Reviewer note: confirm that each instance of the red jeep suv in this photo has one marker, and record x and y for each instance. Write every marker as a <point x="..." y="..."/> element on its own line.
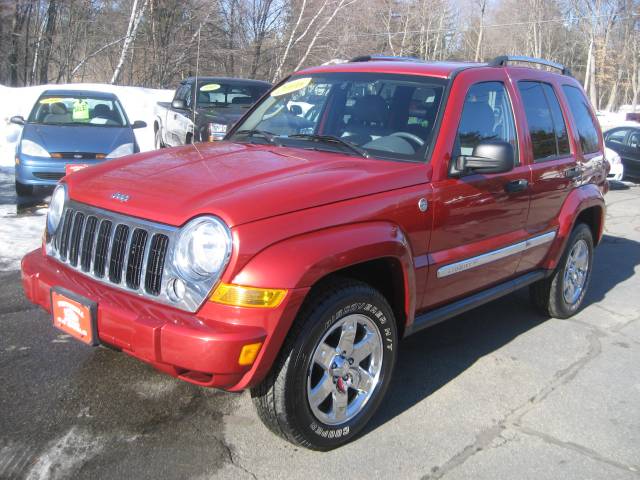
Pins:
<point x="353" y="205"/>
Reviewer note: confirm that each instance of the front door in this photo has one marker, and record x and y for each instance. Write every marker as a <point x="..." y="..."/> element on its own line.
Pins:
<point x="479" y="220"/>
<point x="177" y="116"/>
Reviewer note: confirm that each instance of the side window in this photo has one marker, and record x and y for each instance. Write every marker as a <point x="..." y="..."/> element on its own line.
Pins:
<point x="188" y="96"/>
<point x="634" y="140"/>
<point x="486" y="115"/>
<point x="559" y="124"/>
<point x="181" y="93"/>
<point x="617" y="136"/>
<point x="546" y="124"/>
<point x="585" y="124"/>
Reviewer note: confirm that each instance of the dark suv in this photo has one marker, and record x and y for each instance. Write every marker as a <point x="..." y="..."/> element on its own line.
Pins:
<point x="352" y="206"/>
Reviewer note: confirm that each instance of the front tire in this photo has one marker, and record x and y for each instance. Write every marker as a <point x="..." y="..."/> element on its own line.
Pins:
<point x="562" y="294"/>
<point x="158" y="140"/>
<point x="334" y="369"/>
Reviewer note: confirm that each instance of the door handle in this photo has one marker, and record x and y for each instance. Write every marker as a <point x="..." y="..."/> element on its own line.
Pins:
<point x="573" y="172"/>
<point x="516" y="185"/>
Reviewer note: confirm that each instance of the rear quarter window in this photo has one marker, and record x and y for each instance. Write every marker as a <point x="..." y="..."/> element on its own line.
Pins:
<point x="587" y="130"/>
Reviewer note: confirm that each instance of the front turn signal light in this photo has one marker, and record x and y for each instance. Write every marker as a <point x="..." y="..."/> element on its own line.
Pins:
<point x="249" y="353"/>
<point x="239" y="296"/>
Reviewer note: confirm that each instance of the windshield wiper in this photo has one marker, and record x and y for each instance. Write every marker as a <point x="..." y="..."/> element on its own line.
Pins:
<point x="331" y="139"/>
<point x="268" y="136"/>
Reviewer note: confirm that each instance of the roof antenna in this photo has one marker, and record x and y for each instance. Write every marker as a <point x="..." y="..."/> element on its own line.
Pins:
<point x="195" y="99"/>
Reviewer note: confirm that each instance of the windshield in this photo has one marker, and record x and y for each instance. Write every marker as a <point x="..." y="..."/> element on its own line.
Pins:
<point x="78" y="110"/>
<point x="213" y="94"/>
<point x="383" y="115"/>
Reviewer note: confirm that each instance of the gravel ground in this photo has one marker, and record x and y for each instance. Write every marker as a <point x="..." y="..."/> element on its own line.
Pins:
<point x="500" y="392"/>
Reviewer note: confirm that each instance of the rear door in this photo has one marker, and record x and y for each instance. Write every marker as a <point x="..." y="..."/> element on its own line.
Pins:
<point x="478" y="219"/>
<point x="587" y="135"/>
<point x="554" y="163"/>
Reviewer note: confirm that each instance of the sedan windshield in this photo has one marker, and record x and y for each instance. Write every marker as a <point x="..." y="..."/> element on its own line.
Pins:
<point x="78" y="110"/>
<point x="367" y="114"/>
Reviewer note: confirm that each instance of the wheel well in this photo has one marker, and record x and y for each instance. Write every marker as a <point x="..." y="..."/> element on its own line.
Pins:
<point x="383" y="274"/>
<point x="592" y="217"/>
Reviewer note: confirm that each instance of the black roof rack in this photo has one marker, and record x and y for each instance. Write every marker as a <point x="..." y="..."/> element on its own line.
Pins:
<point x="385" y="58"/>
<point x="502" y="60"/>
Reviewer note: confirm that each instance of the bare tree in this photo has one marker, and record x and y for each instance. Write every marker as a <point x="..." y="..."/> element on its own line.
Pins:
<point x="132" y="29"/>
<point x="482" y="4"/>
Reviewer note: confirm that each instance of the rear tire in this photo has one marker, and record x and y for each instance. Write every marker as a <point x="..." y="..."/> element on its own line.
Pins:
<point x="342" y="348"/>
<point x="562" y="294"/>
<point x="23" y="190"/>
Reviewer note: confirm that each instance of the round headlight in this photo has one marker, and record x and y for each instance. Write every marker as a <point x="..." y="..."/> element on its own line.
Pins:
<point x="56" y="206"/>
<point x="203" y="248"/>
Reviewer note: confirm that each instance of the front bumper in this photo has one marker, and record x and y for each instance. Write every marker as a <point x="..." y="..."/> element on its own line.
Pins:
<point x="616" y="172"/>
<point x="201" y="348"/>
<point x="45" y="171"/>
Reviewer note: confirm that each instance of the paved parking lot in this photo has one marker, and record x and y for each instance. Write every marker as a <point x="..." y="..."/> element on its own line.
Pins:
<point x="500" y="392"/>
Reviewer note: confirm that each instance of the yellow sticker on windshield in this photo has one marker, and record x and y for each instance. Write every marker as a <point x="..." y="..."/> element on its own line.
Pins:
<point x="80" y="110"/>
<point x="209" y="87"/>
<point x="292" y="86"/>
<point x="48" y="101"/>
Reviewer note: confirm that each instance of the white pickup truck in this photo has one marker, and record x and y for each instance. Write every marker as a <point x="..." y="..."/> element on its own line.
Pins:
<point x="204" y="113"/>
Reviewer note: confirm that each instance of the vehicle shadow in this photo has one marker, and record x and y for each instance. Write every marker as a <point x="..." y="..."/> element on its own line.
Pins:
<point x="616" y="185"/>
<point x="432" y="358"/>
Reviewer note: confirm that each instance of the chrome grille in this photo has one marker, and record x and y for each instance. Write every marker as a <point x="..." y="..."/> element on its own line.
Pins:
<point x="153" y="278"/>
<point x="102" y="248"/>
<point x="136" y="256"/>
<point x="124" y="252"/>
<point x="117" y="250"/>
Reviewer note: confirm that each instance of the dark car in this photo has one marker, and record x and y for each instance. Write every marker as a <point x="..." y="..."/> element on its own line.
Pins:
<point x="70" y="127"/>
<point x="625" y="141"/>
<point x="215" y="105"/>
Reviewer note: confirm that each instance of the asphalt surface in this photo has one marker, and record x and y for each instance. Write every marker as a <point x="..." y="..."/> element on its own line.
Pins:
<point x="500" y="392"/>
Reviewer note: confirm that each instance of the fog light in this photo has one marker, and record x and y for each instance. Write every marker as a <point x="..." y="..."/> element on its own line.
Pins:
<point x="249" y="353"/>
<point x="240" y="296"/>
<point x="176" y="289"/>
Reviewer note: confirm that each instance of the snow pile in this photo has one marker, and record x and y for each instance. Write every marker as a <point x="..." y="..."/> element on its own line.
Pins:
<point x="139" y="104"/>
<point x="20" y="232"/>
<point x="609" y="120"/>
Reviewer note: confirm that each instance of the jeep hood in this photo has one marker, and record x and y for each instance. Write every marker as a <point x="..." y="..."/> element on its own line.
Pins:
<point x="238" y="182"/>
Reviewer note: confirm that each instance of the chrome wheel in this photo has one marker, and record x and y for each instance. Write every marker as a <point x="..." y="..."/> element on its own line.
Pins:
<point x="575" y="272"/>
<point x="344" y="369"/>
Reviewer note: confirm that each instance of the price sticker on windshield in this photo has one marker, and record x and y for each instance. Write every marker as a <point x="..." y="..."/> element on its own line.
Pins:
<point x="292" y="86"/>
<point x="209" y="87"/>
<point x="50" y="100"/>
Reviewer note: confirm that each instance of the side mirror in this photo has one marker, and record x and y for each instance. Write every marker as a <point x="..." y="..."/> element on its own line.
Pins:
<point x="178" y="105"/>
<point x="295" y="110"/>
<point x="489" y="156"/>
<point x="18" y="120"/>
<point x="139" y="124"/>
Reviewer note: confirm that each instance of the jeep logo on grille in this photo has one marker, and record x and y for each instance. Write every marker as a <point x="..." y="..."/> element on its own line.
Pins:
<point x="122" y="197"/>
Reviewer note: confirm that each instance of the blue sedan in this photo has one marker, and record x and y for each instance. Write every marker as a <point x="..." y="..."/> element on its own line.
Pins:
<point x="70" y="127"/>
